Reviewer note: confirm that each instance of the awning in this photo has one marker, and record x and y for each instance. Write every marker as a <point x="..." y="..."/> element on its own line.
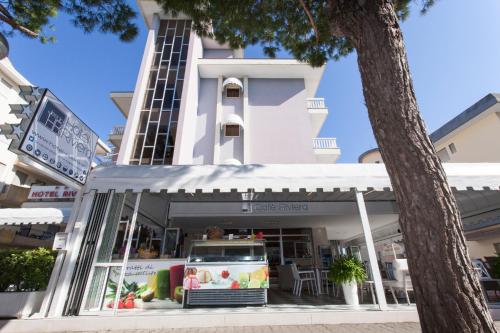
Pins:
<point x="233" y="119"/>
<point x="18" y="216"/>
<point x="275" y="177"/>
<point x="232" y="82"/>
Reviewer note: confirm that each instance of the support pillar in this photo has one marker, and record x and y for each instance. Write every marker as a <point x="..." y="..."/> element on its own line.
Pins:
<point x="372" y="255"/>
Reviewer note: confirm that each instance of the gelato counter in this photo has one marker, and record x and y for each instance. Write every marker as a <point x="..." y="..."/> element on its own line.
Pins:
<point x="226" y="272"/>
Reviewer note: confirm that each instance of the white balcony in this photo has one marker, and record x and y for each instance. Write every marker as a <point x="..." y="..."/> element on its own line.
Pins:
<point x="116" y="135"/>
<point x="326" y="150"/>
<point x="318" y="112"/>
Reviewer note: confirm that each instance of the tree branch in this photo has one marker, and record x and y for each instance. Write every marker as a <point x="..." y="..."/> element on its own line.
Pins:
<point x="311" y="19"/>
<point x="7" y="18"/>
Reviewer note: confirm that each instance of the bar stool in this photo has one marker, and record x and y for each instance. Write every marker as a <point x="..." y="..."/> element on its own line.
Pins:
<point x="299" y="277"/>
<point x="325" y="282"/>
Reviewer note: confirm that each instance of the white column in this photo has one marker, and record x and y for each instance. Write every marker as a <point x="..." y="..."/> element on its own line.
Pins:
<point x="141" y="84"/>
<point x="246" y="123"/>
<point x="218" y="122"/>
<point x="372" y="256"/>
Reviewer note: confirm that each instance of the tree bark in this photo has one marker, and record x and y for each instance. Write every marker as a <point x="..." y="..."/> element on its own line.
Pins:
<point x="447" y="290"/>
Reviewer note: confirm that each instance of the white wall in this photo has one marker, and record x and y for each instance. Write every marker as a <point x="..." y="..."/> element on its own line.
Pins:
<point x="280" y="127"/>
<point x="203" y="152"/>
<point x="231" y="147"/>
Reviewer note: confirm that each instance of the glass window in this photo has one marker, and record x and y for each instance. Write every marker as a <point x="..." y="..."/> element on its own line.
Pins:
<point x="172" y="133"/>
<point x="232" y="130"/>
<point x="164" y="92"/>
<point x="233" y="92"/>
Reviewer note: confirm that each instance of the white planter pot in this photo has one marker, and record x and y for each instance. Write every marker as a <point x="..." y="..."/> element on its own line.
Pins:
<point x="350" y="293"/>
<point x="20" y="304"/>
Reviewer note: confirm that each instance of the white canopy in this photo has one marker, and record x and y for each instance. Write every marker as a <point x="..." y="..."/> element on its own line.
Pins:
<point x="232" y="82"/>
<point x="233" y="119"/>
<point x="275" y="177"/>
<point x="17" y="216"/>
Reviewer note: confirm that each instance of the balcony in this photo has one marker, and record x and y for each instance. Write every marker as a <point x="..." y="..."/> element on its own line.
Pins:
<point x="326" y="150"/>
<point x="318" y="112"/>
<point x="13" y="195"/>
<point x="116" y="135"/>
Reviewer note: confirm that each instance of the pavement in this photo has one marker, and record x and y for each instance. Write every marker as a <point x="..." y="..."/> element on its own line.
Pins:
<point x="341" y="328"/>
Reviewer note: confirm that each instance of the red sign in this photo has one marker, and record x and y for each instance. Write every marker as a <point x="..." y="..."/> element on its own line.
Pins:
<point x="52" y="193"/>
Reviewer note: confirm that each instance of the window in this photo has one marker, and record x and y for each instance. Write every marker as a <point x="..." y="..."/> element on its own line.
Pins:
<point x="452" y="147"/>
<point x="443" y="155"/>
<point x="232" y="130"/>
<point x="233" y="92"/>
<point x="155" y="138"/>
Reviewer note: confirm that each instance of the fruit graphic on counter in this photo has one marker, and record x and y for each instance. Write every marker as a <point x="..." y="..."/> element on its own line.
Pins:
<point x="190" y="279"/>
<point x="224" y="274"/>
<point x="260" y="274"/>
<point x="254" y="284"/>
<point x="235" y="285"/>
<point x="148" y="295"/>
<point x="244" y="277"/>
<point x="163" y="283"/>
<point x="152" y="282"/>
<point x="204" y="276"/>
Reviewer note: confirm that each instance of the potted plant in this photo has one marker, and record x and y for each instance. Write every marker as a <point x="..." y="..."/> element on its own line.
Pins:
<point x="348" y="271"/>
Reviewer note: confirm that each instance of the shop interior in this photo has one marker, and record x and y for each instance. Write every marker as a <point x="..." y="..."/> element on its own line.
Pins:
<point x="139" y="247"/>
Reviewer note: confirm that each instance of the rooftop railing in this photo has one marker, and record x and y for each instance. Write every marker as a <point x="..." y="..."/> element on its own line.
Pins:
<point x="316" y="103"/>
<point x="324" y="143"/>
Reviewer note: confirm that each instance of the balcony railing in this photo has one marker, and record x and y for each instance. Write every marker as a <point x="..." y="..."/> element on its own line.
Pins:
<point x="324" y="143"/>
<point x="118" y="130"/>
<point x="316" y="103"/>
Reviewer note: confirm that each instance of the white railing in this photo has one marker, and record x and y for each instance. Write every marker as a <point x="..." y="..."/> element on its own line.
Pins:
<point x="118" y="130"/>
<point x="316" y="103"/>
<point x="324" y="143"/>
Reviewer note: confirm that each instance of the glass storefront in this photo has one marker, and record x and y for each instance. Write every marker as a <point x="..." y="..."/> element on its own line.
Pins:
<point x="141" y="256"/>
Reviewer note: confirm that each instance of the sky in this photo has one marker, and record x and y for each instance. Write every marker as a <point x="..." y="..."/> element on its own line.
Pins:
<point x="453" y="51"/>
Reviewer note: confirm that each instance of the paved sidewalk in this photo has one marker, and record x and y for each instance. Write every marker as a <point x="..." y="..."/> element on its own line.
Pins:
<point x="342" y="328"/>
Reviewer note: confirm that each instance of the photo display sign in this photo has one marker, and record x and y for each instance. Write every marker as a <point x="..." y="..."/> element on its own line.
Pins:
<point x="56" y="137"/>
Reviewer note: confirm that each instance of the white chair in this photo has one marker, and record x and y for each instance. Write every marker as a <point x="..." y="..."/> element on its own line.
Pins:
<point x="325" y="282"/>
<point x="299" y="277"/>
<point x="401" y="281"/>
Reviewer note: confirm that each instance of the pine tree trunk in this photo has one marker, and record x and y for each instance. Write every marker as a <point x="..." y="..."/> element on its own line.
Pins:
<point x="447" y="290"/>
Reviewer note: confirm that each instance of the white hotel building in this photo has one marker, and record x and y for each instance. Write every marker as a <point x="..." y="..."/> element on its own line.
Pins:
<point x="216" y="139"/>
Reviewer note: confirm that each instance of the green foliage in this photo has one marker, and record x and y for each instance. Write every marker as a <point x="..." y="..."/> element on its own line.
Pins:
<point x="347" y="269"/>
<point x="32" y="17"/>
<point x="25" y="270"/>
<point x="275" y="24"/>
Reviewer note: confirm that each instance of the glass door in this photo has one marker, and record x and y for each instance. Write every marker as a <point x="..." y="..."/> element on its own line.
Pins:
<point x="105" y="289"/>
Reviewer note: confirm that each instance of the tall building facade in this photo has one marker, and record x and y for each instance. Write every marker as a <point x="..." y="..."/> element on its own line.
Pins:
<point x="198" y="102"/>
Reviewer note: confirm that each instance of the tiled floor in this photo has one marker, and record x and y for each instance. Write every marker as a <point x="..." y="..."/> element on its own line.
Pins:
<point x="277" y="296"/>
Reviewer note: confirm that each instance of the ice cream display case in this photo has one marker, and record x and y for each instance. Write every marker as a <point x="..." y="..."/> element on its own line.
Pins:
<point x="226" y="272"/>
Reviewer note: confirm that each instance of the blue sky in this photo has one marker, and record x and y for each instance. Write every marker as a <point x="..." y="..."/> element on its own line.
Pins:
<point x="454" y="54"/>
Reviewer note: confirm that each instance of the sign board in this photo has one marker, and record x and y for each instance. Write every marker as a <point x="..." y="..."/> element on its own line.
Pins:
<point x="236" y="276"/>
<point x="60" y="241"/>
<point x="57" y="138"/>
<point x="52" y="193"/>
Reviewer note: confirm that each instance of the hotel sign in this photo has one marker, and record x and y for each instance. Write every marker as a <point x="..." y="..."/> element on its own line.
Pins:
<point x="52" y="193"/>
<point x="57" y="138"/>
